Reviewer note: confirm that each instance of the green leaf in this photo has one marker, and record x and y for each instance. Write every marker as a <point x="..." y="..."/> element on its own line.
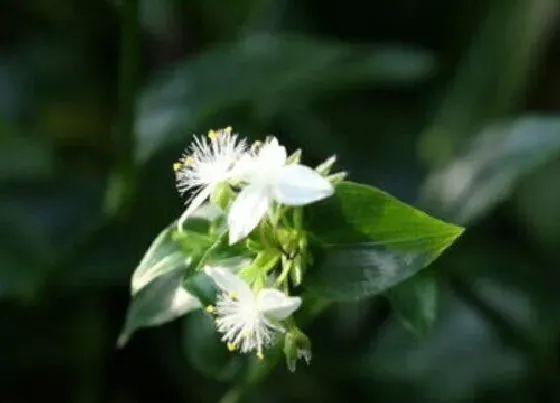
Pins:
<point x="171" y="250"/>
<point x="162" y="300"/>
<point x="216" y="250"/>
<point x="491" y="166"/>
<point x="359" y="213"/>
<point x="415" y="302"/>
<point x="368" y="242"/>
<point x="266" y="72"/>
<point x="263" y="263"/>
<point x="158" y="295"/>
<point x="202" y="287"/>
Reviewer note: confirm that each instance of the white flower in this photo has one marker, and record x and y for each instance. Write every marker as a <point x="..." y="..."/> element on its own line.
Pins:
<point x="248" y="321"/>
<point x="208" y="162"/>
<point x="270" y="179"/>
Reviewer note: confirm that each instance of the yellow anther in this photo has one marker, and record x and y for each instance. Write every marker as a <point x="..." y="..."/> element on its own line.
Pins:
<point x="256" y="145"/>
<point x="231" y="346"/>
<point x="227" y="130"/>
<point x="177" y="166"/>
<point x="210" y="309"/>
<point x="232" y="295"/>
<point x="212" y="134"/>
<point x="260" y="355"/>
<point x="188" y="161"/>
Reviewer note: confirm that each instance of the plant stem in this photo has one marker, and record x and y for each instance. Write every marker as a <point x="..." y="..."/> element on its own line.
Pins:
<point x="122" y="182"/>
<point x="298" y="218"/>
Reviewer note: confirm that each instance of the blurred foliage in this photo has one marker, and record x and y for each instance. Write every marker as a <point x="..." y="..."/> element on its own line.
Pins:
<point x="452" y="106"/>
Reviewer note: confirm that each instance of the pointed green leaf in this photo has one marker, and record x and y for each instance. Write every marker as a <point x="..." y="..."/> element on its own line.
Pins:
<point x="158" y="295"/>
<point x="368" y="241"/>
<point x="171" y="250"/>
<point x="162" y="300"/>
<point x="202" y="287"/>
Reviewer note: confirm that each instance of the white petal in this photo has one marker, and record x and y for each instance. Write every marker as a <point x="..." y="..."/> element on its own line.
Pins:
<point x="228" y="282"/>
<point x="276" y="304"/>
<point x="242" y="168"/>
<point x="195" y="204"/>
<point x="273" y="154"/>
<point x="246" y="212"/>
<point x="297" y="185"/>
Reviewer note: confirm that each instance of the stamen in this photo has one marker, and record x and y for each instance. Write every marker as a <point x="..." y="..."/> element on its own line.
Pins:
<point x="231" y="346"/>
<point x="256" y="145"/>
<point x="188" y="161"/>
<point x="227" y="130"/>
<point x="177" y="166"/>
<point x="211" y="309"/>
<point x="212" y="134"/>
<point x="260" y="355"/>
<point x="233" y="296"/>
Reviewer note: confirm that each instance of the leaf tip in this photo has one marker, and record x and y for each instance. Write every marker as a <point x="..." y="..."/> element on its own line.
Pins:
<point x="123" y="339"/>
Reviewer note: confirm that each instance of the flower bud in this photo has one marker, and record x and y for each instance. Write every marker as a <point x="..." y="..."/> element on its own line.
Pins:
<point x="337" y="178"/>
<point x="296" y="272"/>
<point x="295" y="158"/>
<point x="325" y="167"/>
<point x="288" y="239"/>
<point x="297" y="346"/>
<point x="221" y="196"/>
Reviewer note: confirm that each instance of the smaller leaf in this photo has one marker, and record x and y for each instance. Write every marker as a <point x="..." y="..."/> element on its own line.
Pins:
<point x="161" y="301"/>
<point x="202" y="287"/>
<point x="171" y="250"/>
<point x="219" y="252"/>
<point x="415" y="302"/>
<point x="214" y="251"/>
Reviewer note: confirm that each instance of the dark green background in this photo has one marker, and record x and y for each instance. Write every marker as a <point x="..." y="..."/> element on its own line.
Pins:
<point x="396" y="88"/>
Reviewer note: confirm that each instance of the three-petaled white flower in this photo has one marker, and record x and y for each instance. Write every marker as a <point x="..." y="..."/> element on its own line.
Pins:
<point x="269" y="178"/>
<point x="247" y="320"/>
<point x="208" y="163"/>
